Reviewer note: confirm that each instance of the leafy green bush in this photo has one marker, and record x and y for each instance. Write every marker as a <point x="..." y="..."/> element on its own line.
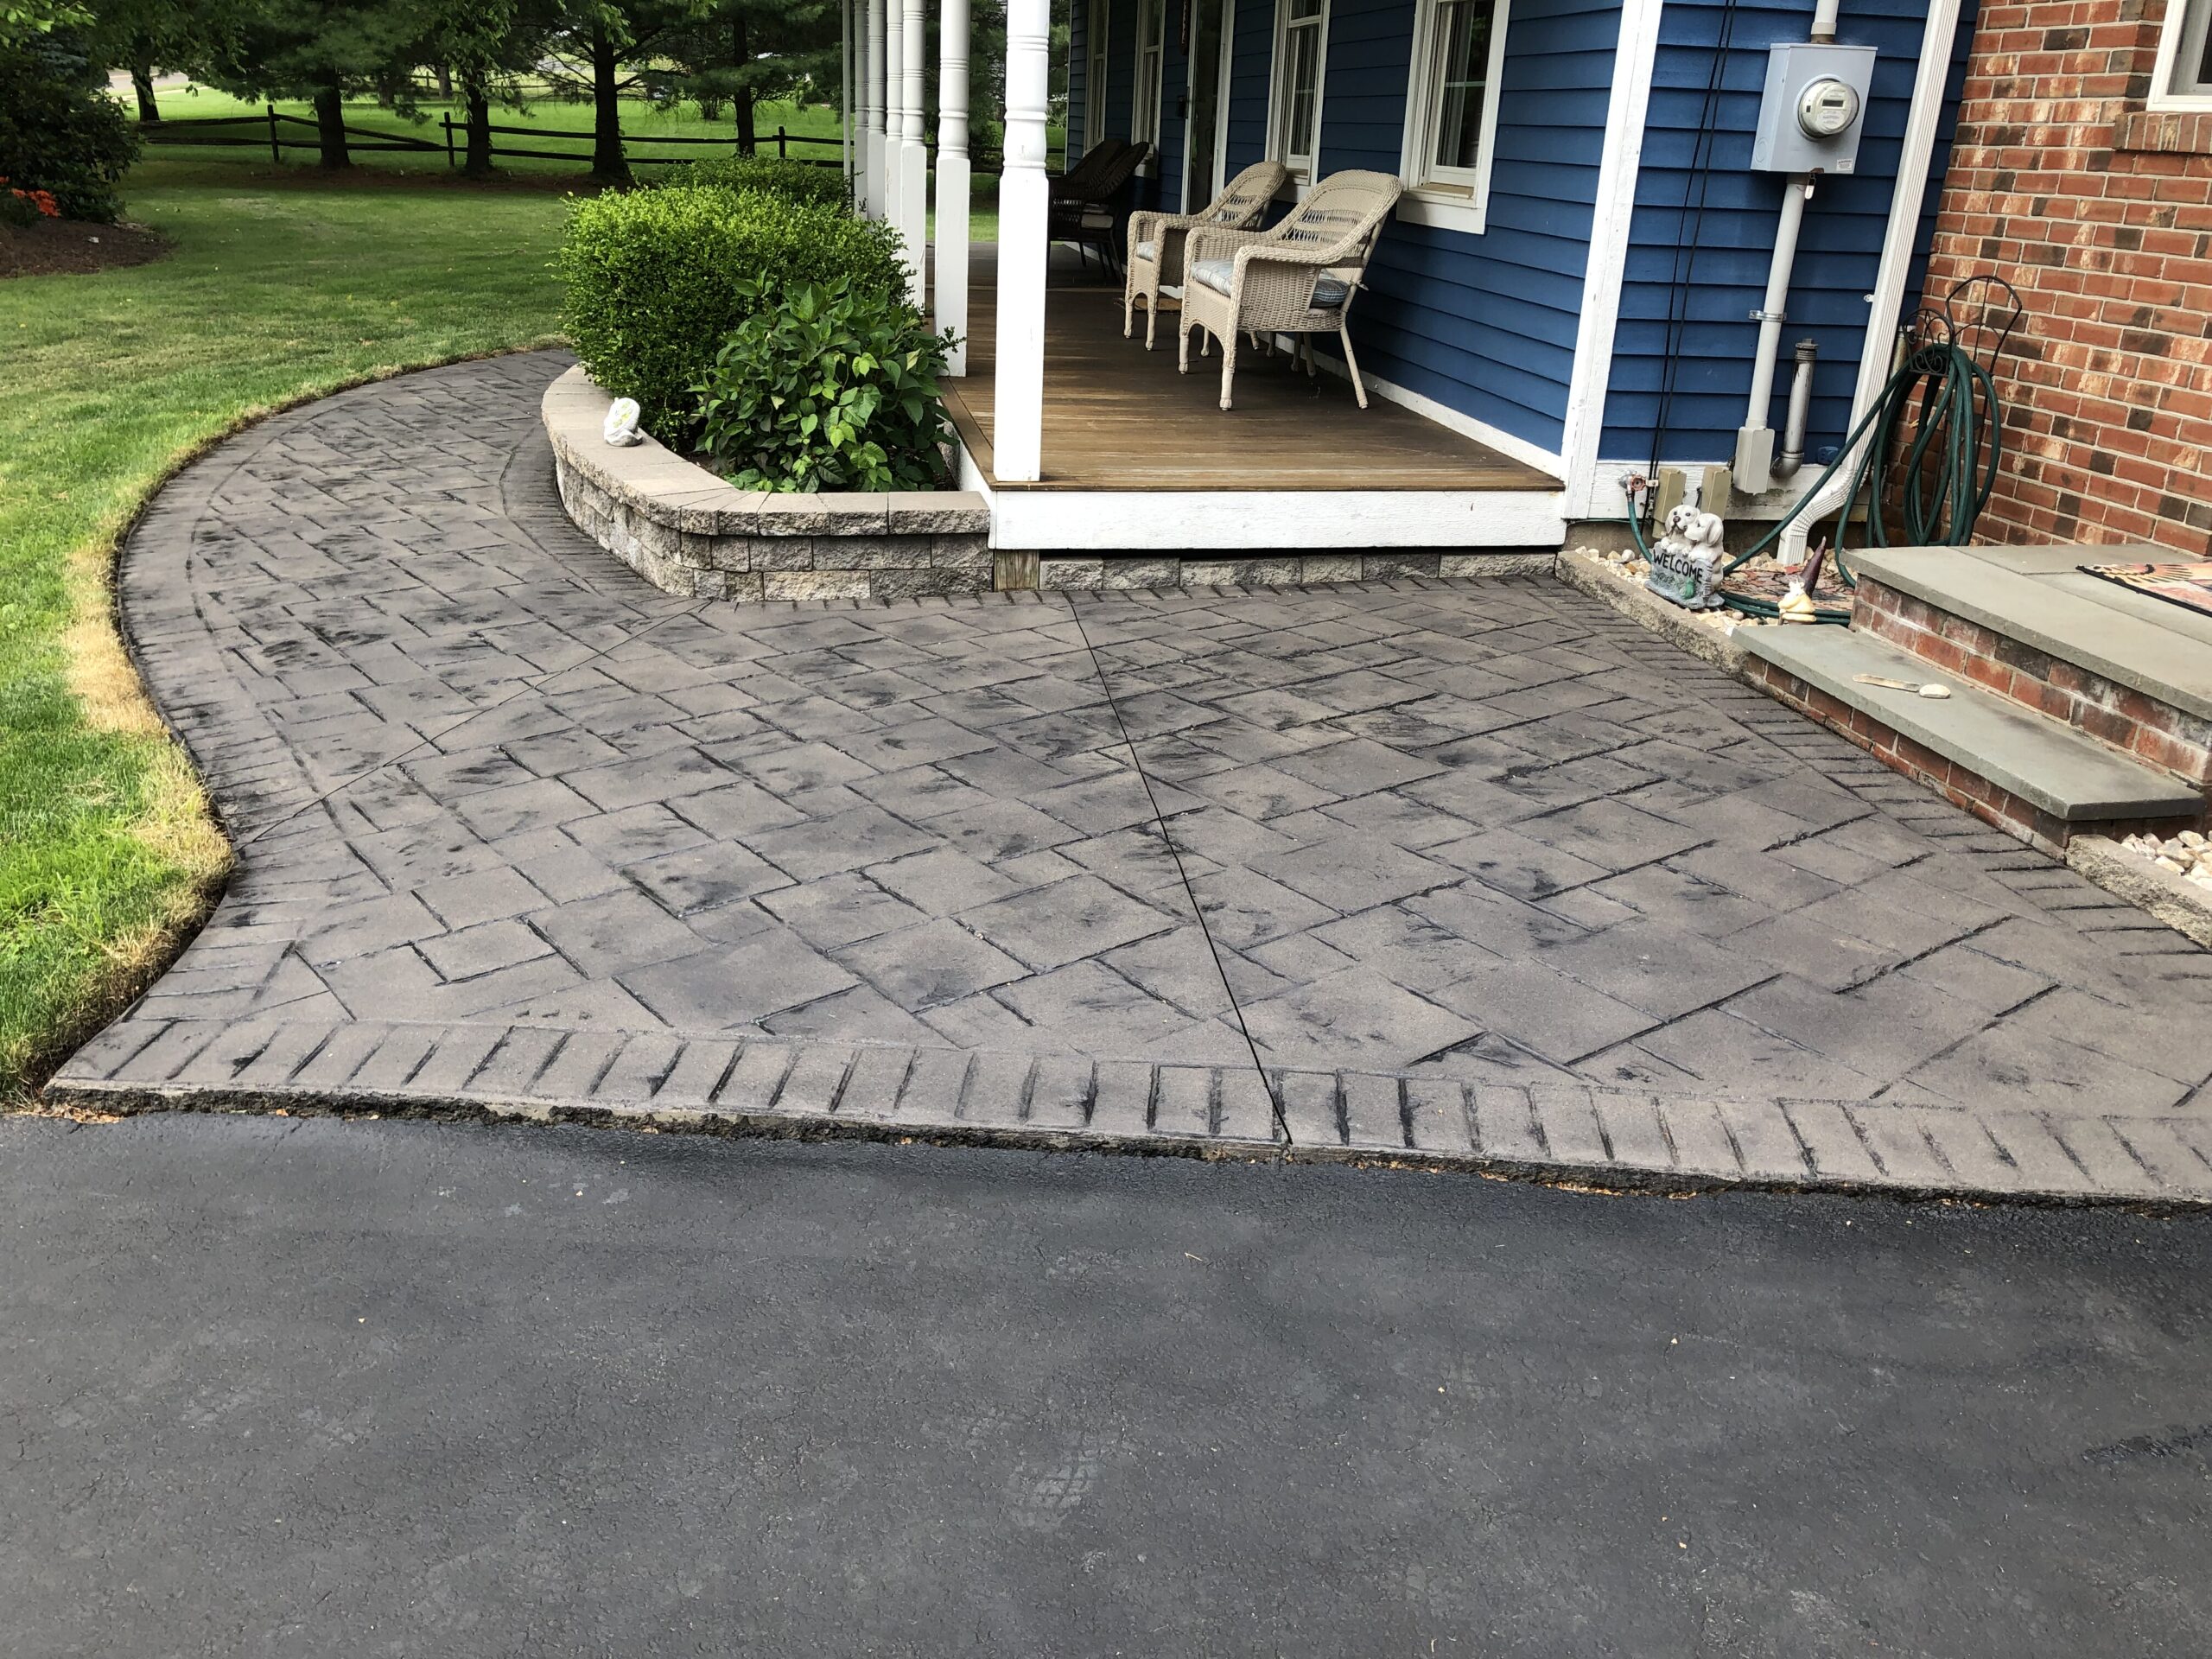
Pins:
<point x="793" y="180"/>
<point x="60" y="131"/>
<point x="655" y="280"/>
<point x="826" y="388"/>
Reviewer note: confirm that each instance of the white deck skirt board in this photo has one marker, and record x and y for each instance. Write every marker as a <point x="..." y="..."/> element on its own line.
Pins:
<point x="1211" y="521"/>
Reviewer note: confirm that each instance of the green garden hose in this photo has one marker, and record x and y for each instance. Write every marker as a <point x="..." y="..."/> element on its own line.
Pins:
<point x="1942" y="480"/>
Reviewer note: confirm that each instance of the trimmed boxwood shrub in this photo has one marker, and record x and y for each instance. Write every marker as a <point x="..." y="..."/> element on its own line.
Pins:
<point x="655" y="280"/>
<point x="824" y="389"/>
<point x="60" y="131"/>
<point x="777" y="176"/>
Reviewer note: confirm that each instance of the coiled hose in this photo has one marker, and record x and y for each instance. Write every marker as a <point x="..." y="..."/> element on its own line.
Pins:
<point x="1942" y="480"/>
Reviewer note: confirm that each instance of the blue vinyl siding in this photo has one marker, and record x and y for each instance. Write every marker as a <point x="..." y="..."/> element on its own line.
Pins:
<point x="1725" y="272"/>
<point x="1161" y="187"/>
<point x="1485" y="324"/>
<point x="1251" y="62"/>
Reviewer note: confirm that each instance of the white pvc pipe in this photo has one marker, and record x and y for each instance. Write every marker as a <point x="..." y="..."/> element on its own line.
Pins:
<point x="1778" y="301"/>
<point x="1898" y="242"/>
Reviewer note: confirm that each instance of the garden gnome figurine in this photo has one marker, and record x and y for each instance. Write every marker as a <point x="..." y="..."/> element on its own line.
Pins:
<point x="621" y="427"/>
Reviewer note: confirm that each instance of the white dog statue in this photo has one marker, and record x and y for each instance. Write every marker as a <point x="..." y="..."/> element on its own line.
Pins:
<point x="621" y="427"/>
<point x="1686" y="565"/>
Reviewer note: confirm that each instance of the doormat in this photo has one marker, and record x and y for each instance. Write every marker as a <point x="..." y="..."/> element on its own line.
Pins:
<point x="2189" y="585"/>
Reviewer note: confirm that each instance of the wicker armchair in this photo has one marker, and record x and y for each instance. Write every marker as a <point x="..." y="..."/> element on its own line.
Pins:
<point x="1297" y="278"/>
<point x="1155" y="260"/>
<point x="1082" y="209"/>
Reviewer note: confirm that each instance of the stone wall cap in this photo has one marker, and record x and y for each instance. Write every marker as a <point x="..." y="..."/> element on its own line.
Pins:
<point x="939" y="512"/>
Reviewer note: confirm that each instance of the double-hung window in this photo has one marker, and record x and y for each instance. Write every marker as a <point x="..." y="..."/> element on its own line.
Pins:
<point x="2183" y="79"/>
<point x="1452" y="111"/>
<point x="1301" y="51"/>
<point x="1144" y="116"/>
<point x="1097" y="24"/>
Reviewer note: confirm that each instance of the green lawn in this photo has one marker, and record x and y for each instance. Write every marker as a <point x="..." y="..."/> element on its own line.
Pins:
<point x="283" y="285"/>
<point x="286" y="283"/>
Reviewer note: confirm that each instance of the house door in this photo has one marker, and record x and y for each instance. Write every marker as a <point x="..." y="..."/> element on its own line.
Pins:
<point x="1204" y="106"/>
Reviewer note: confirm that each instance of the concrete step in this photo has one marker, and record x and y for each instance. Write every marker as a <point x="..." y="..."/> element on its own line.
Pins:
<point x="2043" y="762"/>
<point x="2039" y="596"/>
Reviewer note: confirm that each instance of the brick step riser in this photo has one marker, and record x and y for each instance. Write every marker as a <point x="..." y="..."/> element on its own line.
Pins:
<point x="2118" y="716"/>
<point x="1960" y="784"/>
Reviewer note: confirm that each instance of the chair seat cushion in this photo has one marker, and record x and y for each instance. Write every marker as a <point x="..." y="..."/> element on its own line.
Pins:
<point x="1098" y="219"/>
<point x="1329" y="292"/>
<point x="1147" y="250"/>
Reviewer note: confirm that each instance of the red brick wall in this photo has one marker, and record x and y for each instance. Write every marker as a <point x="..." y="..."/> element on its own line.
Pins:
<point x="2100" y="213"/>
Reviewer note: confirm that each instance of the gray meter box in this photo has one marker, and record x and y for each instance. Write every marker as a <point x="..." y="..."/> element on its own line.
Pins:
<point x="1814" y="109"/>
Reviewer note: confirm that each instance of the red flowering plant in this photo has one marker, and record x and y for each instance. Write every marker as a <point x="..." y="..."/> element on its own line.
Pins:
<point x="37" y="204"/>
<point x="25" y="205"/>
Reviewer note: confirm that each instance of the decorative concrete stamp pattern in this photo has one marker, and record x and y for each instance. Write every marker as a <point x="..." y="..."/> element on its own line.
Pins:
<point x="1472" y="872"/>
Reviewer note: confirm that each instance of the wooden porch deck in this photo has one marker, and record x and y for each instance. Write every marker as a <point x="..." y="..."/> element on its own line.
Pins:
<point x="1120" y="418"/>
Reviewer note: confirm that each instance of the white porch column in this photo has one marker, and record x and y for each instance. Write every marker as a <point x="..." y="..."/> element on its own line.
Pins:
<point x="872" y="114"/>
<point x="913" y="195"/>
<point x="895" y="81"/>
<point x="846" y="86"/>
<point x="1025" y="196"/>
<point x="952" y="176"/>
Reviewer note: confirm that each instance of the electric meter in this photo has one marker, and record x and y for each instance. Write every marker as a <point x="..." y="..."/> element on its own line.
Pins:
<point x="1827" y="108"/>
<point x="1813" y="109"/>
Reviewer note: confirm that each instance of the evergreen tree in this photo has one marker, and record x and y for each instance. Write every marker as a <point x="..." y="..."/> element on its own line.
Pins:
<point x="322" y="49"/>
<point x="607" y="47"/>
<point x="743" y="53"/>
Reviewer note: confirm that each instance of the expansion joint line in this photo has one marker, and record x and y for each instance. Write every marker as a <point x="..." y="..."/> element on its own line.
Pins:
<point x="1159" y="821"/>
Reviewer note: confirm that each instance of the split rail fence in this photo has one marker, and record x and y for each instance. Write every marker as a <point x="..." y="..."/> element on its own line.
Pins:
<point x="280" y="132"/>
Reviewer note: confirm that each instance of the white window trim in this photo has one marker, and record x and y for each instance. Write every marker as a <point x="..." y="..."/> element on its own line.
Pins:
<point x="1301" y="175"/>
<point x="2162" y="76"/>
<point x="1159" y="85"/>
<point x="1097" y="46"/>
<point x="1448" y="210"/>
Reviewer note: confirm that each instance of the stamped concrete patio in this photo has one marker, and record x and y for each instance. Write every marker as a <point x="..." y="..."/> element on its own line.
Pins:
<point x="1455" y="873"/>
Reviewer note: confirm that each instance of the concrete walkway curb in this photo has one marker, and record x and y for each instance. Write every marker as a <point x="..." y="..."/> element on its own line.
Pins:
<point x="1629" y="1139"/>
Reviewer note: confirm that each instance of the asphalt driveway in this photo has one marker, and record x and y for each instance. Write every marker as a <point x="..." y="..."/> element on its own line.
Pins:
<point x="277" y="1388"/>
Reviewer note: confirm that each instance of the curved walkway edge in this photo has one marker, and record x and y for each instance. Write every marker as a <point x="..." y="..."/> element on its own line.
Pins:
<point x="1445" y="876"/>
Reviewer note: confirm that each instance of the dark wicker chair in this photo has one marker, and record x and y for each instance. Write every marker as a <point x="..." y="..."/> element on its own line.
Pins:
<point x="1086" y="206"/>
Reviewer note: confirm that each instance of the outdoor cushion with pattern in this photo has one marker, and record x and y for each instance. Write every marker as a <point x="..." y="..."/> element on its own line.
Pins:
<point x="1147" y="250"/>
<point x="1329" y="292"/>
